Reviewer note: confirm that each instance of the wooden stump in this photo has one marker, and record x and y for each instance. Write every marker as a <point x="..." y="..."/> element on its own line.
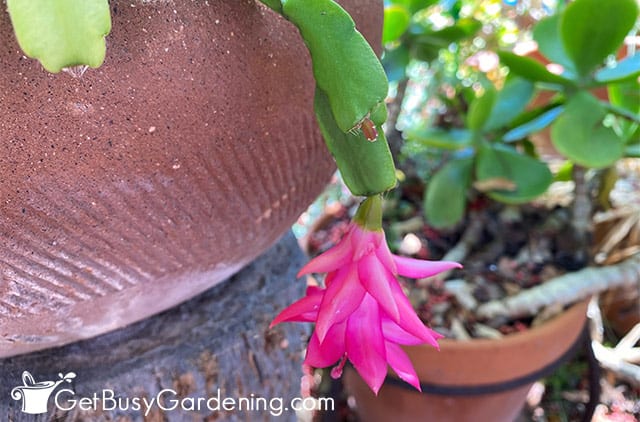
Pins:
<point x="215" y="345"/>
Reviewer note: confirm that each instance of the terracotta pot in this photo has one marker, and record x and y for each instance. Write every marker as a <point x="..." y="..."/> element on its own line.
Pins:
<point x="477" y="380"/>
<point x="140" y="184"/>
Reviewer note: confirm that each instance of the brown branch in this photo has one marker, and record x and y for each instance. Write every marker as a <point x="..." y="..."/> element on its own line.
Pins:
<point x="565" y="289"/>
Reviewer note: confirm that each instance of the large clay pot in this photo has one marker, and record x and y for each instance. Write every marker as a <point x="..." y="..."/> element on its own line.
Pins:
<point x="477" y="380"/>
<point x="140" y="184"/>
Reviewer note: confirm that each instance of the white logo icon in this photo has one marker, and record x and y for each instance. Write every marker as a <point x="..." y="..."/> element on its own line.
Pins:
<point x="35" y="395"/>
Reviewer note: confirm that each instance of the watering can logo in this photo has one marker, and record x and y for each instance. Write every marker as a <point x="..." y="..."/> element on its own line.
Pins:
<point x="35" y="395"/>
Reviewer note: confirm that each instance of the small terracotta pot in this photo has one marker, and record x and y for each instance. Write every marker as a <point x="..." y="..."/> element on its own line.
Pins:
<point x="142" y="183"/>
<point x="477" y="380"/>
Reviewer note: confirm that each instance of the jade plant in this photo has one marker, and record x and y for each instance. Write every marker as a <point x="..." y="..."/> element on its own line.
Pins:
<point x="361" y="313"/>
<point x="491" y="153"/>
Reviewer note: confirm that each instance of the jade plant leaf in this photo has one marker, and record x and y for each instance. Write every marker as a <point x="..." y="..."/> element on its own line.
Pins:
<point x="534" y="125"/>
<point x="530" y="178"/>
<point x="414" y="5"/>
<point x="439" y="138"/>
<point x="426" y="42"/>
<point x="628" y="68"/>
<point x="579" y="135"/>
<point x="61" y="33"/>
<point x="530" y="69"/>
<point x="366" y="167"/>
<point x="445" y="199"/>
<point x="510" y="101"/>
<point x="547" y="34"/>
<point x="396" y="22"/>
<point x="480" y="109"/>
<point x="345" y="67"/>
<point x="626" y="95"/>
<point x="592" y="29"/>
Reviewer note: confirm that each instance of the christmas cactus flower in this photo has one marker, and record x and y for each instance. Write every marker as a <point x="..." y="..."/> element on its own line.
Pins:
<point x="362" y="314"/>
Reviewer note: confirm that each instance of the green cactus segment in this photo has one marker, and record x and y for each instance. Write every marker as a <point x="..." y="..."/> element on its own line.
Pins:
<point x="344" y="65"/>
<point x="367" y="167"/>
<point x="62" y="33"/>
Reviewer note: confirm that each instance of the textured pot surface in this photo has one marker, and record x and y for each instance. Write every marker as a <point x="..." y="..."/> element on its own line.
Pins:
<point x="140" y="184"/>
<point x="469" y="365"/>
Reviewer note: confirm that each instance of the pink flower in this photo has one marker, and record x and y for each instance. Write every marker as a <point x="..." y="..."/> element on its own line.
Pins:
<point x="362" y="314"/>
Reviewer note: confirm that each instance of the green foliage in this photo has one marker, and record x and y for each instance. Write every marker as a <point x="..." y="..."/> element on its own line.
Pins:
<point x="510" y="103"/>
<point x="445" y="200"/>
<point x="493" y="131"/>
<point x="530" y="177"/>
<point x="626" y="95"/>
<point x="367" y="167"/>
<point x="580" y="136"/>
<point x="480" y="110"/>
<point x="438" y="138"/>
<point x="534" y="125"/>
<point x="61" y="33"/>
<point x="590" y="30"/>
<point x="547" y="34"/>
<point x="626" y="69"/>
<point x="396" y="22"/>
<point x="530" y="69"/>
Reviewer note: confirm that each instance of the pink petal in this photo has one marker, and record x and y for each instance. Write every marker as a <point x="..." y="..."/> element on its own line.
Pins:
<point x="321" y="355"/>
<point x="341" y="298"/>
<point x="303" y="310"/>
<point x="365" y="344"/>
<point x="386" y="258"/>
<point x="409" y="321"/>
<point x="418" y="268"/>
<point x="394" y="333"/>
<point x="376" y="278"/>
<point x="400" y="363"/>
<point x="336" y="257"/>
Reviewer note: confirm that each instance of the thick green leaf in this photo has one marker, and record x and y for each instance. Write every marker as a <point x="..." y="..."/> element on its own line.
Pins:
<point x="480" y="110"/>
<point x="632" y="151"/>
<point x="395" y="62"/>
<point x="461" y="29"/>
<point x="437" y="138"/>
<point x="534" y="125"/>
<point x="366" y="167"/>
<point x="414" y="5"/>
<point x="592" y="29"/>
<point x="628" y="68"/>
<point x="529" y="68"/>
<point x="530" y="176"/>
<point x="446" y="197"/>
<point x="426" y="42"/>
<point x="510" y="102"/>
<point x="547" y="34"/>
<point x="564" y="173"/>
<point x="344" y="65"/>
<point x="626" y="96"/>
<point x="61" y="33"/>
<point x="396" y="22"/>
<point x="579" y="135"/>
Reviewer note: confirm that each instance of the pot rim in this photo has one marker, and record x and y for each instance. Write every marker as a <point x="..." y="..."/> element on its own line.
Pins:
<point x="481" y="366"/>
